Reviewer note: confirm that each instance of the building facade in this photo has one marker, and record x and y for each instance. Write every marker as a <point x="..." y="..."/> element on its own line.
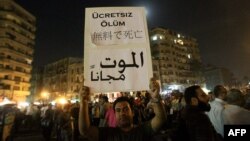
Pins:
<point x="176" y="59"/>
<point x="219" y="76"/>
<point x="63" y="78"/>
<point x="17" y="41"/>
<point x="36" y="83"/>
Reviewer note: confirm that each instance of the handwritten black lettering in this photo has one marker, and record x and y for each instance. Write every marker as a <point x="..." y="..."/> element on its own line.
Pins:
<point x="142" y="61"/>
<point x="108" y="66"/>
<point x="94" y="79"/>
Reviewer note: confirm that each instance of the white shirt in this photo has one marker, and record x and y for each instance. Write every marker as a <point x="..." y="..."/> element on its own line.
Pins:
<point x="234" y="114"/>
<point x="216" y="115"/>
<point x="31" y="110"/>
<point x="43" y="110"/>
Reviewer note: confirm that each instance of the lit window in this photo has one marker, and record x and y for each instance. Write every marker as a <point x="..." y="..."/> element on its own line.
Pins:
<point x="178" y="35"/>
<point x="160" y="37"/>
<point x="189" y="56"/>
<point x="180" y="41"/>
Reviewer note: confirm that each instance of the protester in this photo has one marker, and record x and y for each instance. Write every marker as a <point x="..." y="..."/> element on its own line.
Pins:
<point x="47" y="123"/>
<point x="95" y="113"/>
<point x="234" y="113"/>
<point x="247" y="99"/>
<point x="65" y="124"/>
<point x="74" y="112"/>
<point x="125" y="130"/>
<point x="217" y="106"/>
<point x="211" y="96"/>
<point x="196" y="122"/>
<point x="104" y="106"/>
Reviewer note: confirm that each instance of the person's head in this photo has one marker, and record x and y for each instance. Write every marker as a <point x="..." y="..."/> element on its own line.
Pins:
<point x="211" y="96"/>
<point x="195" y="96"/>
<point x="147" y="95"/>
<point x="123" y="108"/>
<point x="138" y="94"/>
<point x="50" y="106"/>
<point x="220" y="92"/>
<point x="235" y="97"/>
<point x="104" y="99"/>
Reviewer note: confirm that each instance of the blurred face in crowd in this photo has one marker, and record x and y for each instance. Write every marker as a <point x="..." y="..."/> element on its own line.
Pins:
<point x="223" y="93"/>
<point x="211" y="96"/>
<point x="203" y="100"/>
<point x="123" y="114"/>
<point x="101" y="101"/>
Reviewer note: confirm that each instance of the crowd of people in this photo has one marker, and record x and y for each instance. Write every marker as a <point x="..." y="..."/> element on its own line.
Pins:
<point x="58" y="121"/>
<point x="192" y="115"/>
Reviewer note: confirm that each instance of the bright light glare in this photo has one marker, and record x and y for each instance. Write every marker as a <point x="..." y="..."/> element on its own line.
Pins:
<point x="154" y="38"/>
<point x="205" y="90"/>
<point x="37" y="103"/>
<point x="131" y="93"/>
<point x="6" y="101"/>
<point x="180" y="41"/>
<point x="74" y="100"/>
<point x="174" y="87"/>
<point x="62" y="101"/>
<point x="22" y="104"/>
<point x="45" y="94"/>
<point x="53" y="103"/>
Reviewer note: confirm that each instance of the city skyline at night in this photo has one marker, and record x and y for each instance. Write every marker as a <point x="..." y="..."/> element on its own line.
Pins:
<point x="220" y="27"/>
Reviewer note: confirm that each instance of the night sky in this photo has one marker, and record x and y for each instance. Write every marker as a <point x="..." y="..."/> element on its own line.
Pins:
<point x="222" y="27"/>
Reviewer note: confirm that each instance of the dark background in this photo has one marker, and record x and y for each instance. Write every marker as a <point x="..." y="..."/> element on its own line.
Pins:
<point x="221" y="27"/>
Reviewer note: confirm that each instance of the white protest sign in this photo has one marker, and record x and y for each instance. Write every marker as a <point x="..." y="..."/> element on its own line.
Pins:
<point x="116" y="49"/>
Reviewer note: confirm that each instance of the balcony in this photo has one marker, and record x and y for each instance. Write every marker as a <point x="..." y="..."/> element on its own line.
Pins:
<point x="16" y="52"/>
<point x="21" y="31"/>
<point x="17" y="62"/>
<point x="14" y="82"/>
<point x="17" y="43"/>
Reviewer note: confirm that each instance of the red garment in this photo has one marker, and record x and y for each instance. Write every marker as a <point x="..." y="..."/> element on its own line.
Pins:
<point x="110" y="117"/>
<point x="137" y="102"/>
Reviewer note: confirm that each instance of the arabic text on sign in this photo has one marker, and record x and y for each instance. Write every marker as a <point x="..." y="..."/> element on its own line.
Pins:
<point x="122" y="66"/>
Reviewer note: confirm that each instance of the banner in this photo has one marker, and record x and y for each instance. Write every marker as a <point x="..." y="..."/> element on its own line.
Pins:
<point x="117" y="53"/>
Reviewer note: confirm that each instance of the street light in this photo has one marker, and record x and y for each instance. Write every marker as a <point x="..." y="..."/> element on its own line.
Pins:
<point x="62" y="100"/>
<point x="45" y="96"/>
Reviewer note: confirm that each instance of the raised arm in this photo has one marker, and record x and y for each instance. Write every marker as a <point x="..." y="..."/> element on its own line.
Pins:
<point x="85" y="128"/>
<point x="160" y="114"/>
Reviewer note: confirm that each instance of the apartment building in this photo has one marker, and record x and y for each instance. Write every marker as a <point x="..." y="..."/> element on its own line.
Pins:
<point x="36" y="84"/>
<point x="176" y="59"/>
<point x="63" y="78"/>
<point x="219" y="76"/>
<point x="17" y="41"/>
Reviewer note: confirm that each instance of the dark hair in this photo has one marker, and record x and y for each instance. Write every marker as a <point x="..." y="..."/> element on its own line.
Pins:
<point x="122" y="99"/>
<point x="138" y="94"/>
<point x="105" y="98"/>
<point x="217" y="90"/>
<point x="235" y="97"/>
<point x="190" y="92"/>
